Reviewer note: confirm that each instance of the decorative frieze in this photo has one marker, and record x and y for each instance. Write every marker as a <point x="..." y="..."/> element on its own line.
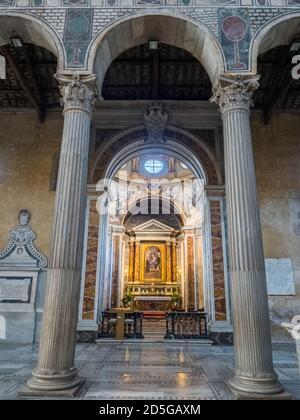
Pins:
<point x="233" y="4"/>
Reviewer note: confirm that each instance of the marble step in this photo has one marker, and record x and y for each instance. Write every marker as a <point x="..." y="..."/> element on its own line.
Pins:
<point x="158" y="341"/>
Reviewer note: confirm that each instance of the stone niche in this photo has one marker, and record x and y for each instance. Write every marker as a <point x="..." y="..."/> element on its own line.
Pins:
<point x="21" y="280"/>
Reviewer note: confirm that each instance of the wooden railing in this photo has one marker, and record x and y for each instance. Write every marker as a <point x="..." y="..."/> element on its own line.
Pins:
<point x="183" y="325"/>
<point x="133" y="325"/>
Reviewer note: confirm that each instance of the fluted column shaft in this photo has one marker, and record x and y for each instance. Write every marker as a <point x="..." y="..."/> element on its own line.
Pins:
<point x="55" y="368"/>
<point x="252" y="337"/>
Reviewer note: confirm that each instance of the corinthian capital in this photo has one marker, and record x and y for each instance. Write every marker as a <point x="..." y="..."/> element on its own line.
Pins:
<point x="235" y="92"/>
<point x="77" y="92"/>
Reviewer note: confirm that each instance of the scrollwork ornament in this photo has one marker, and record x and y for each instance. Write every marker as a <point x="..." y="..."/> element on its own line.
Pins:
<point x="233" y="93"/>
<point x="23" y="237"/>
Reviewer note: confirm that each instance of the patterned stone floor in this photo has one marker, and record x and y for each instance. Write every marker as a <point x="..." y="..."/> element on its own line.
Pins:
<point x="146" y="371"/>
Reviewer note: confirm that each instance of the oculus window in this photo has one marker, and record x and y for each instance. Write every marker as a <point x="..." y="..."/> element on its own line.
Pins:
<point x="154" y="166"/>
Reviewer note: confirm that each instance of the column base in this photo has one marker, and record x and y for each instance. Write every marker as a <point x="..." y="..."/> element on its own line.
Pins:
<point x="66" y="383"/>
<point x="245" y="388"/>
<point x="31" y="393"/>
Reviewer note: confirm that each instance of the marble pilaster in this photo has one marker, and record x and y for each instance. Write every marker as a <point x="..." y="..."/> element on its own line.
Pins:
<point x="115" y="271"/>
<point x="190" y="273"/>
<point x="254" y="375"/>
<point x="174" y="260"/>
<point x="131" y="260"/>
<point x="90" y="281"/>
<point x="169" y="262"/>
<point x="137" y="261"/>
<point x="218" y="261"/>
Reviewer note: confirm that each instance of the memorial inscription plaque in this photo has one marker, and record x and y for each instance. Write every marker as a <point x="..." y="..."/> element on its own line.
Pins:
<point x="15" y="290"/>
<point x="280" y="277"/>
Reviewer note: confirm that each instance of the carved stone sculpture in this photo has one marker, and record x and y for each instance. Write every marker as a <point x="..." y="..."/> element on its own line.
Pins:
<point x="155" y="120"/>
<point x="20" y="247"/>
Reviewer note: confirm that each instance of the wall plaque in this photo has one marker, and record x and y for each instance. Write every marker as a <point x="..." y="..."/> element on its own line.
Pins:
<point x="15" y="290"/>
<point x="280" y="277"/>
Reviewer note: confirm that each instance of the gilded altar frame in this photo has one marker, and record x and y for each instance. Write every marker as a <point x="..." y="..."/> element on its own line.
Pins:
<point x="162" y="248"/>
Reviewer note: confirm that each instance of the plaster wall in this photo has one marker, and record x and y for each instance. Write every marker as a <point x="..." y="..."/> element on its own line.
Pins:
<point x="277" y="159"/>
<point x="27" y="148"/>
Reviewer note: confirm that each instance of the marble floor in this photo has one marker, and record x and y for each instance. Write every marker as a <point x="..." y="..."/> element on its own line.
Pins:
<point x="147" y="371"/>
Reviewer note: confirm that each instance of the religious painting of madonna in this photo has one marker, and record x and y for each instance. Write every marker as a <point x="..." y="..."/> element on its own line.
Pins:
<point x="152" y="263"/>
<point x="153" y="260"/>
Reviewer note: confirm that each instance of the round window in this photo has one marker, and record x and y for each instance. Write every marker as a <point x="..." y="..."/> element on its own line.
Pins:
<point x="153" y="166"/>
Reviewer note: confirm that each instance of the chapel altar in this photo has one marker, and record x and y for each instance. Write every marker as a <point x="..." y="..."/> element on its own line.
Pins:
<point x="153" y="279"/>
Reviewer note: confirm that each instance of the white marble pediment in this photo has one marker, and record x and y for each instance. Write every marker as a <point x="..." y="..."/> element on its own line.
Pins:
<point x="153" y="226"/>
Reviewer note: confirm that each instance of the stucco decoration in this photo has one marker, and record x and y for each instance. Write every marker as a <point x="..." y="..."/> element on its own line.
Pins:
<point x="155" y="120"/>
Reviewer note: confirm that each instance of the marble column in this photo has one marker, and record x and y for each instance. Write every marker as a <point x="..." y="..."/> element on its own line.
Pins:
<point x="137" y="261"/>
<point x="174" y="260"/>
<point x="254" y="373"/>
<point x="169" y="262"/>
<point x="131" y="260"/>
<point x="56" y="370"/>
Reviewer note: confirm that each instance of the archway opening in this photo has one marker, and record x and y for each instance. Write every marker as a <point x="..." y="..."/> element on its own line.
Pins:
<point x="164" y="28"/>
<point x="279" y="90"/>
<point x="155" y="229"/>
<point x="161" y="72"/>
<point x="31" y="55"/>
<point x="149" y="170"/>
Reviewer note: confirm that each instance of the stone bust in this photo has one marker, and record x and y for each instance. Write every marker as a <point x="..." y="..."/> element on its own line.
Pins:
<point x="24" y="217"/>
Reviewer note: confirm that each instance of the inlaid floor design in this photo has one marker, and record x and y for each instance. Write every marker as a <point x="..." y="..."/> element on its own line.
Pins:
<point x="147" y="371"/>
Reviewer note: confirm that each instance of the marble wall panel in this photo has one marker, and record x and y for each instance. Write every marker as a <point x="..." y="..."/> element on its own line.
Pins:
<point x="218" y="261"/>
<point x="190" y="273"/>
<point x="91" y="263"/>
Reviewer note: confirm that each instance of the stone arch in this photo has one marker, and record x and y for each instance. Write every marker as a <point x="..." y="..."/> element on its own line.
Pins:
<point x="185" y="146"/>
<point x="167" y="27"/>
<point x="175" y="206"/>
<point x="32" y="30"/>
<point x="278" y="31"/>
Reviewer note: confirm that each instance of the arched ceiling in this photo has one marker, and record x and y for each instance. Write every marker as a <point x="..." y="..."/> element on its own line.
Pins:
<point x="165" y="73"/>
<point x="167" y="215"/>
<point x="29" y="81"/>
<point x="278" y="91"/>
